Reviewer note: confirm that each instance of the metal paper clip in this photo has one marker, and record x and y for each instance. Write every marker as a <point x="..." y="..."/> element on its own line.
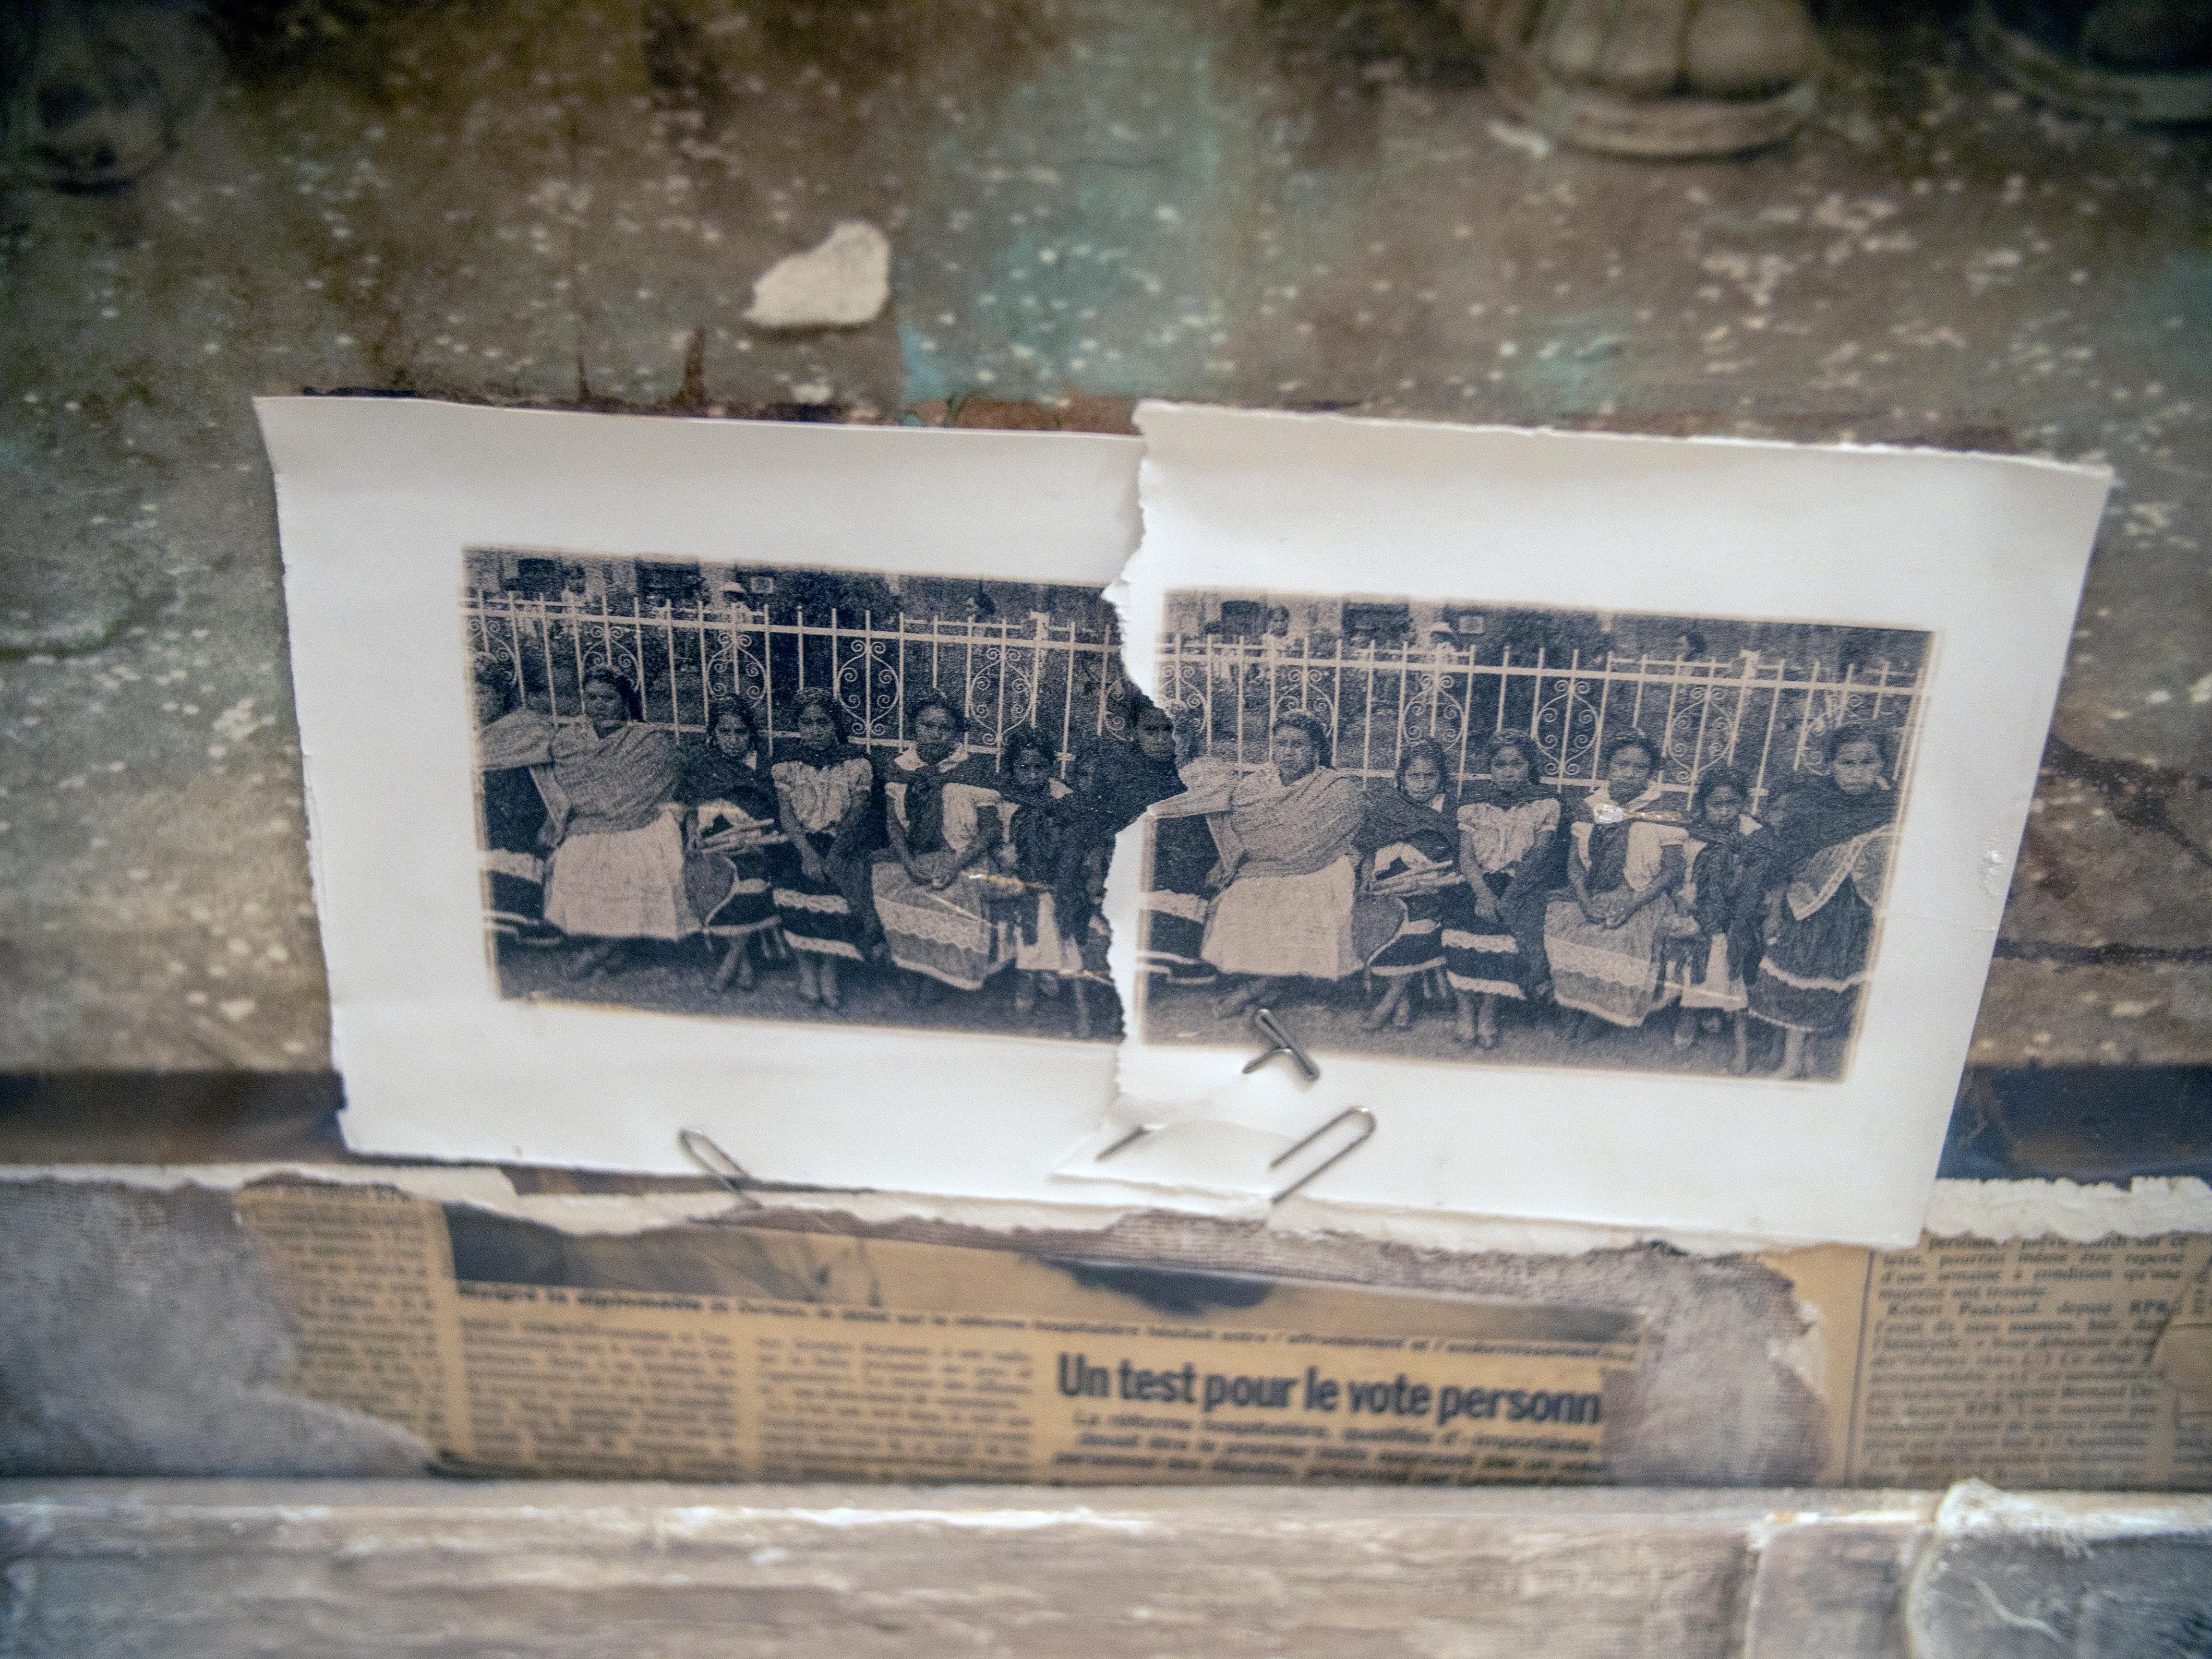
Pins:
<point x="700" y="1148"/>
<point x="1280" y="1043"/>
<point x="1126" y="1141"/>
<point x="1333" y="1158"/>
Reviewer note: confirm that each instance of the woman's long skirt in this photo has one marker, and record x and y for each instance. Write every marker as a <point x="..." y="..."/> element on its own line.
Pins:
<point x="513" y="868"/>
<point x="1481" y="955"/>
<point x="1700" y="972"/>
<point x="953" y="935"/>
<point x="816" y="915"/>
<point x="514" y="897"/>
<point x="1171" y="948"/>
<point x="625" y="884"/>
<point x="1419" y="945"/>
<point x="1050" y="952"/>
<point x="732" y="894"/>
<point x="1285" y="925"/>
<point x="1809" y="978"/>
<point x="1611" y="972"/>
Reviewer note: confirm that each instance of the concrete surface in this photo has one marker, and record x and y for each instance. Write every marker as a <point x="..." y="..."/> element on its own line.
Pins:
<point x="338" y="1568"/>
<point x="1268" y="202"/>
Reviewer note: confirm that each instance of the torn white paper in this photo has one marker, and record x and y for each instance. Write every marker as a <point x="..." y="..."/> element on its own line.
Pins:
<point x="536" y="563"/>
<point x="1643" y="655"/>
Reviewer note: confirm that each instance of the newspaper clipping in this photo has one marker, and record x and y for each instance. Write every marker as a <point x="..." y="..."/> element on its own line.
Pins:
<point x="774" y="1355"/>
<point x="914" y="1366"/>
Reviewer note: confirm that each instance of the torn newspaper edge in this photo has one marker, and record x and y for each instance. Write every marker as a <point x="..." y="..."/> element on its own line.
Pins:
<point x="1865" y="645"/>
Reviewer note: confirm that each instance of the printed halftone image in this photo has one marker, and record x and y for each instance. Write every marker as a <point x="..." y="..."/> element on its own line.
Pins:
<point x="1485" y="833"/>
<point x="800" y="795"/>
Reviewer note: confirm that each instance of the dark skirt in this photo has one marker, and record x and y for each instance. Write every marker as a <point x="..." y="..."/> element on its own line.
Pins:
<point x="1419" y="945"/>
<point x="1809" y="978"/>
<point x="1171" y="945"/>
<point x="734" y="895"/>
<point x="514" y="860"/>
<point x="514" y="899"/>
<point x="817" y="916"/>
<point x="1482" y="957"/>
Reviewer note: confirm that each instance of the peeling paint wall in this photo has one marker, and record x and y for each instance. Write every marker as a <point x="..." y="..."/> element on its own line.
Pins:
<point x="1285" y="203"/>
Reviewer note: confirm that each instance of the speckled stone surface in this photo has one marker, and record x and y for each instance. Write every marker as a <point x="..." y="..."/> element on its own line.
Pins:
<point x="1285" y="203"/>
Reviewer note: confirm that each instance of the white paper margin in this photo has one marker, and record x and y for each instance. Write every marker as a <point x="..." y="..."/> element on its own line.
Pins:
<point x="1985" y="552"/>
<point x="377" y="500"/>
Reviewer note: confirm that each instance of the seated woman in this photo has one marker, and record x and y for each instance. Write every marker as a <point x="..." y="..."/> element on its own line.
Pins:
<point x="1410" y="841"/>
<point x="1288" y="871"/>
<point x="618" y="871"/>
<point x="1626" y="862"/>
<point x="941" y="808"/>
<point x="1507" y="830"/>
<point x="734" y="823"/>
<point x="516" y="815"/>
<point x="1701" y="967"/>
<point x="825" y="800"/>
<point x="1820" y="876"/>
<point x="1184" y="851"/>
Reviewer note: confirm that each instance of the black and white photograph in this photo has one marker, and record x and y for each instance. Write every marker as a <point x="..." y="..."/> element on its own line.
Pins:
<point x="1454" y="831"/>
<point x="801" y="794"/>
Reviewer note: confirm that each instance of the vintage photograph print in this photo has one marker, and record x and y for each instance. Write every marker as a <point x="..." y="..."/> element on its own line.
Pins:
<point x="799" y="794"/>
<point x="1461" y="831"/>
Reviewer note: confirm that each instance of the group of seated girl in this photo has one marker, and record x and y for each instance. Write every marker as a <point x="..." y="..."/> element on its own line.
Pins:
<point x="1612" y="907"/>
<point x="1319" y="876"/>
<point x="949" y="865"/>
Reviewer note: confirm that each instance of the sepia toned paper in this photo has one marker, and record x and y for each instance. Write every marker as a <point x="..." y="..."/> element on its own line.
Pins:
<point x="767" y="1354"/>
<point x="915" y="1362"/>
<point x="2034" y="1362"/>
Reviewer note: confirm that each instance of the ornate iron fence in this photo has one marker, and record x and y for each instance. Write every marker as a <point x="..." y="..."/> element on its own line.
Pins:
<point x="1062" y="677"/>
<point x="1763" y="715"/>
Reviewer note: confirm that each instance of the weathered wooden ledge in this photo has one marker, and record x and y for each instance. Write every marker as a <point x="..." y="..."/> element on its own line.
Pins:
<point x="94" y="1568"/>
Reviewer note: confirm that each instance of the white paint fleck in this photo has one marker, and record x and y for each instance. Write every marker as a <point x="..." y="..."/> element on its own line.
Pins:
<point x="841" y="282"/>
<point x="1514" y="137"/>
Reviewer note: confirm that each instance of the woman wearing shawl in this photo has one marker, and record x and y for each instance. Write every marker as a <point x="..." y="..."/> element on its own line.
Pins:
<point x="1409" y="843"/>
<point x="618" y="870"/>
<point x="1285" y="909"/>
<point x="1186" y="850"/>
<point x="1702" y="966"/>
<point x="941" y="807"/>
<point x="515" y="813"/>
<point x="733" y="817"/>
<point x="1624" y="862"/>
<point x="825" y="794"/>
<point x="1508" y="828"/>
<point x="1821" y="876"/>
<point x="1121" y="780"/>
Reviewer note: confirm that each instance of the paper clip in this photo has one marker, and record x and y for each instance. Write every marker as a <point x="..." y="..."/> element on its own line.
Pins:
<point x="700" y="1148"/>
<point x="1280" y="1041"/>
<point x="1333" y="1158"/>
<point x="1126" y="1141"/>
<point x="1286" y="1156"/>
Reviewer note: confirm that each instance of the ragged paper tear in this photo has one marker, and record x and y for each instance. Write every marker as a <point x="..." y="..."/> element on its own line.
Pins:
<point x="704" y="721"/>
<point x="1628" y="869"/>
